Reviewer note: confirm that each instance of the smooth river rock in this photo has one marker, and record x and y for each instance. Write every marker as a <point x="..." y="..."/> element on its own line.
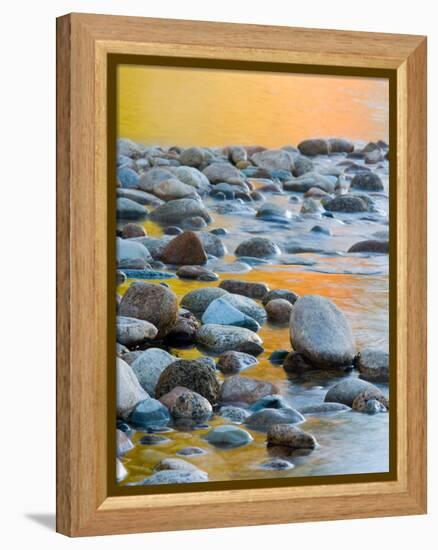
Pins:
<point x="128" y="389"/>
<point x="198" y="300"/>
<point x="258" y="247"/>
<point x="192" y="375"/>
<point x="219" y="338"/>
<point x="239" y="389"/>
<point x="149" y="365"/>
<point x="347" y="390"/>
<point x="221" y="312"/>
<point x="131" y="331"/>
<point x="232" y="362"/>
<point x="149" y="413"/>
<point x="178" y="210"/>
<point x="153" y="303"/>
<point x="256" y="291"/>
<point x="191" y="405"/>
<point x="287" y="435"/>
<point x="228" y="437"/>
<point x="321" y="333"/>
<point x="373" y="365"/>
<point x="264" y="419"/>
<point x="185" y="249"/>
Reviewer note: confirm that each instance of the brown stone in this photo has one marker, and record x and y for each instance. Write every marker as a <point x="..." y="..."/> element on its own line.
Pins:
<point x="151" y="302"/>
<point x="185" y="249"/>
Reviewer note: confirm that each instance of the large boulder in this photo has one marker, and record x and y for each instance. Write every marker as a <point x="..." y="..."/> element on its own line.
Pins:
<point x="258" y="247"/>
<point x="219" y="338"/>
<point x="273" y="159"/>
<point x="321" y="333"/>
<point x="239" y="389"/>
<point x="184" y="249"/>
<point x="129" y="392"/>
<point x="176" y="211"/>
<point x="153" y="303"/>
<point x="192" y="375"/>
<point x="149" y="365"/>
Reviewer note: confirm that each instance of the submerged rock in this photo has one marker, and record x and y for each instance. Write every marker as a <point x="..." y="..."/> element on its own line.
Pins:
<point x="321" y="333"/>
<point x="232" y="362"/>
<point x="236" y="415"/>
<point x="228" y="436"/>
<point x="219" y="338"/>
<point x="153" y="303"/>
<point x="149" y="413"/>
<point x="264" y="419"/>
<point x="239" y="389"/>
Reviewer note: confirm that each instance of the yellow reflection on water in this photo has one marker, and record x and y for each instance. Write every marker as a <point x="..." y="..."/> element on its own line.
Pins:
<point x="214" y="107"/>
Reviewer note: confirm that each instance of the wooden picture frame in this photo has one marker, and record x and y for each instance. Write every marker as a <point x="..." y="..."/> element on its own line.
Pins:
<point x="84" y="506"/>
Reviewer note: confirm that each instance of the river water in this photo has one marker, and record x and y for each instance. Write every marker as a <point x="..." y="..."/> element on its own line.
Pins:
<point x="350" y="442"/>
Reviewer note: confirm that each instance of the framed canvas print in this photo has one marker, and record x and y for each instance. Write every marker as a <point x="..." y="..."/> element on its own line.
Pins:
<point x="241" y="274"/>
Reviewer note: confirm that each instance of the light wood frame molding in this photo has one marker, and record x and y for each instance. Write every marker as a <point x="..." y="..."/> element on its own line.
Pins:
<point x="83" y="44"/>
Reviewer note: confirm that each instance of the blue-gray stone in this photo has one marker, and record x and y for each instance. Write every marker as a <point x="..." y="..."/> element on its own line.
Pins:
<point x="265" y="418"/>
<point x="236" y="415"/>
<point x="175" y="477"/>
<point x="270" y="402"/>
<point x="127" y="177"/>
<point x="278" y="356"/>
<point x="228" y="437"/>
<point x="221" y="312"/>
<point x="149" y="413"/>
<point x="147" y="274"/>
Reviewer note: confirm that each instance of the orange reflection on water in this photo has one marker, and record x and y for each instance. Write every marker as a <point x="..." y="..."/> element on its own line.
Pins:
<point x="213" y="107"/>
